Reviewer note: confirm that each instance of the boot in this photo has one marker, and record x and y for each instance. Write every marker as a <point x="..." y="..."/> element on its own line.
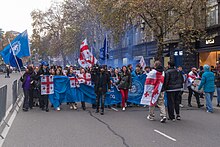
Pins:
<point x="102" y="112"/>
<point x="97" y="110"/>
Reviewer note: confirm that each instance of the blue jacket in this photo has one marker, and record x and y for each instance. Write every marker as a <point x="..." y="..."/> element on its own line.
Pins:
<point x="208" y="80"/>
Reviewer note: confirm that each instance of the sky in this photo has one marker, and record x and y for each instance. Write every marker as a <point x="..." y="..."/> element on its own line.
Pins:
<point x="15" y="14"/>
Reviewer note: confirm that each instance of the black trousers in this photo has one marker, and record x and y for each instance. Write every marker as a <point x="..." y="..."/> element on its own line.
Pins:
<point x="26" y="99"/>
<point x="44" y="101"/>
<point x="190" y="96"/>
<point x="180" y="96"/>
<point x="100" y="96"/>
<point x="31" y="99"/>
<point x="173" y="103"/>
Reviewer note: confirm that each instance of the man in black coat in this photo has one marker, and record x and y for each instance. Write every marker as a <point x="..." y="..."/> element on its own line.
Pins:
<point x="44" y="70"/>
<point x="35" y="87"/>
<point x="173" y="84"/>
<point x="101" y="79"/>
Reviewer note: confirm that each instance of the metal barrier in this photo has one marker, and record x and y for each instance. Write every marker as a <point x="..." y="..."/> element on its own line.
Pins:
<point x="20" y="89"/>
<point x="3" y="100"/>
<point x="16" y="97"/>
<point x="14" y="92"/>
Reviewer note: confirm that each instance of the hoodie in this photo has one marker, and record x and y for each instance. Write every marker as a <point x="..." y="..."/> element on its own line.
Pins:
<point x="208" y="80"/>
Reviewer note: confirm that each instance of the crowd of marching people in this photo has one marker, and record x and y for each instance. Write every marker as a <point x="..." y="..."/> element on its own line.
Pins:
<point x="164" y="86"/>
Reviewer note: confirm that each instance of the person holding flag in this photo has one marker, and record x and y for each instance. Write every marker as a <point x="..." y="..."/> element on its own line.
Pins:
<point x="124" y="84"/>
<point x="152" y="92"/>
<point x="44" y="70"/>
<point x="26" y="85"/>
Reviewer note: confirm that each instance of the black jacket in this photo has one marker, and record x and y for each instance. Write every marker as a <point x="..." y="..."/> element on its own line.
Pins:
<point x="217" y="81"/>
<point x="101" y="82"/>
<point x="173" y="79"/>
<point x="35" y="80"/>
<point x="124" y="81"/>
<point x="43" y="72"/>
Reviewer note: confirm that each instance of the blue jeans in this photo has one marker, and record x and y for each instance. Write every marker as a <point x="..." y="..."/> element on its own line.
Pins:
<point x="218" y="95"/>
<point x="209" y="97"/>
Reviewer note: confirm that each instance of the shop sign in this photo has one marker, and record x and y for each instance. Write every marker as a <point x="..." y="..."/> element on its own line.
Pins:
<point x="178" y="53"/>
<point x="210" y="41"/>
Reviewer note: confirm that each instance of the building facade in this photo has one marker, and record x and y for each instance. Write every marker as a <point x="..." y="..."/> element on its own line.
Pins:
<point x="209" y="49"/>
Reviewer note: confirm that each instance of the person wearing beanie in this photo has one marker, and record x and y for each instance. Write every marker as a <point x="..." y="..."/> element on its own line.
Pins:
<point x="208" y="84"/>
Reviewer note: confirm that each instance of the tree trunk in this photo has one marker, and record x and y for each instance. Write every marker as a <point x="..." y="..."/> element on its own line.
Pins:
<point x="159" y="55"/>
<point x="64" y="59"/>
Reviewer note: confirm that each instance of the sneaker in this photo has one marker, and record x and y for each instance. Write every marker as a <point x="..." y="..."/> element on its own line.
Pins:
<point x="218" y="105"/>
<point x="189" y="105"/>
<point x="74" y="107"/>
<point x="102" y="112"/>
<point x="123" y="109"/>
<point x="47" y="110"/>
<point x="209" y="111"/>
<point x="178" y="118"/>
<point x="163" y="120"/>
<point x="200" y="106"/>
<point x="71" y="107"/>
<point x="181" y="105"/>
<point x="58" y="108"/>
<point x="25" y="109"/>
<point x="150" y="117"/>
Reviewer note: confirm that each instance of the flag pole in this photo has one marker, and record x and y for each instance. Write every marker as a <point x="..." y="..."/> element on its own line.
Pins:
<point x="106" y="56"/>
<point x="19" y="68"/>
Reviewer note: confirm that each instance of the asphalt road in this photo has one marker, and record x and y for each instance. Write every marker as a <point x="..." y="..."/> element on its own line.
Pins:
<point x="69" y="128"/>
<point x="8" y="82"/>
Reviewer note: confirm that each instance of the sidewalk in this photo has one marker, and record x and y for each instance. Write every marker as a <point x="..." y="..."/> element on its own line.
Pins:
<point x="202" y="100"/>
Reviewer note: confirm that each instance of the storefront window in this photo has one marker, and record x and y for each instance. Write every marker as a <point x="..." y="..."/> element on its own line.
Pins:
<point x="210" y="58"/>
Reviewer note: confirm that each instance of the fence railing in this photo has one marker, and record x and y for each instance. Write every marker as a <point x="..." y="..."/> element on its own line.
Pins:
<point x="16" y="96"/>
<point x="3" y="101"/>
<point x="14" y="92"/>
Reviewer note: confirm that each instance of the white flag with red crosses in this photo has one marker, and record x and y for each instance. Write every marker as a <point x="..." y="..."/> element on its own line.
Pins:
<point x="74" y="82"/>
<point x="153" y="86"/>
<point x="86" y="58"/>
<point x="47" y="85"/>
<point x="142" y="62"/>
<point x="84" y="78"/>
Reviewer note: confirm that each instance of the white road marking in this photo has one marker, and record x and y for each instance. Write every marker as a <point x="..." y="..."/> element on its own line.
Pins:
<point x="114" y="109"/>
<point x="171" y="138"/>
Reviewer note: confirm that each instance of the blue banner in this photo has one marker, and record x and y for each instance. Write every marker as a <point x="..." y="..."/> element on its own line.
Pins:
<point x="19" y="46"/>
<point x="85" y="93"/>
<point x="137" y="90"/>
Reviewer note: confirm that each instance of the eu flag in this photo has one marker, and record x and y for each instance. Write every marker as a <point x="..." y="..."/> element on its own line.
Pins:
<point x="104" y="50"/>
<point x="18" y="48"/>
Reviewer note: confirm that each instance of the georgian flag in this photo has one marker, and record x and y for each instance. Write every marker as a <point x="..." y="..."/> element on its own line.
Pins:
<point x="47" y="85"/>
<point x="74" y="82"/>
<point x="142" y="62"/>
<point x="84" y="78"/>
<point x="86" y="58"/>
<point x="153" y="86"/>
